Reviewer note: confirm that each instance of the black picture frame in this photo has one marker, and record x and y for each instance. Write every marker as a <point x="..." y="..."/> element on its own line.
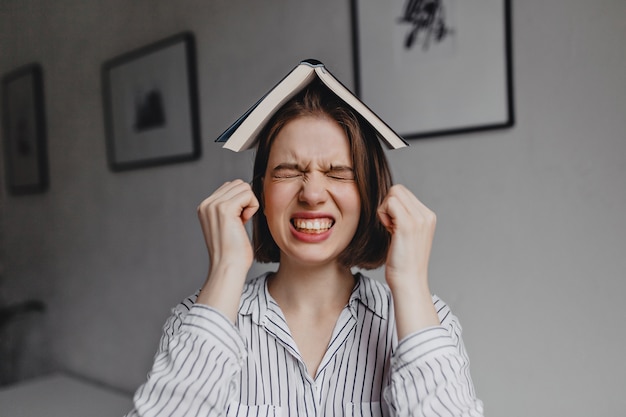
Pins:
<point x="435" y="67"/>
<point x="151" y="105"/>
<point x="24" y="126"/>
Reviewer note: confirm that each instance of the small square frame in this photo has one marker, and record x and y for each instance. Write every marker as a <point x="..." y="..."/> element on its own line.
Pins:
<point x="24" y="125"/>
<point x="151" y="105"/>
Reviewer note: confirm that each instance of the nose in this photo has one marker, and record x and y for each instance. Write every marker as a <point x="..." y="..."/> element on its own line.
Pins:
<point x="314" y="190"/>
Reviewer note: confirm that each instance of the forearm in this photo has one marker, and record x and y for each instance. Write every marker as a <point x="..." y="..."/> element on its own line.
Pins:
<point x="222" y="216"/>
<point x="430" y="372"/>
<point x="195" y="371"/>
<point x="222" y="290"/>
<point x="413" y="306"/>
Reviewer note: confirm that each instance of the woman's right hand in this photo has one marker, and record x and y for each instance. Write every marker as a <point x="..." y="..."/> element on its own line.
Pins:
<point x="222" y="217"/>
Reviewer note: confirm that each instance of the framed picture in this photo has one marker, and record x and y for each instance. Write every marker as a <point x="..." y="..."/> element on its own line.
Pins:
<point x="435" y="67"/>
<point x="151" y="105"/>
<point x="26" y="156"/>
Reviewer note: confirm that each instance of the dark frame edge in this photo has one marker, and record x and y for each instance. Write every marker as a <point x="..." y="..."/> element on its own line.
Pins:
<point x="188" y="38"/>
<point x="35" y="70"/>
<point x="356" y="53"/>
<point x="509" y="88"/>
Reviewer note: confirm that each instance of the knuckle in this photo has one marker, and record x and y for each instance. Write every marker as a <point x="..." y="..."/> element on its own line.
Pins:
<point x="203" y="206"/>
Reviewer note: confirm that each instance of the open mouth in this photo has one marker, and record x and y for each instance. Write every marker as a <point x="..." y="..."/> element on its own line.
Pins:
<point x="314" y="226"/>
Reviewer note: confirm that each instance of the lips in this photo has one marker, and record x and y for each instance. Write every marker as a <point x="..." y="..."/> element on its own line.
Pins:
<point x="312" y="225"/>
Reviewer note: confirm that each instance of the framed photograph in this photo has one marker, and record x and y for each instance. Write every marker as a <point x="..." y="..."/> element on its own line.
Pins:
<point x="151" y="105"/>
<point x="26" y="157"/>
<point x="435" y="67"/>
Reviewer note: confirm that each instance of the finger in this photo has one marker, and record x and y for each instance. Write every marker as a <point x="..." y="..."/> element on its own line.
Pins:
<point x="402" y="207"/>
<point x="385" y="219"/>
<point x="409" y="200"/>
<point x="230" y="196"/>
<point x="250" y="209"/>
<point x="232" y="203"/>
<point x="392" y="209"/>
<point x="225" y="190"/>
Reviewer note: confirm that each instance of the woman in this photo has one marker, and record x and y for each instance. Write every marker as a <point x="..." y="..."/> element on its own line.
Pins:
<point x="312" y="338"/>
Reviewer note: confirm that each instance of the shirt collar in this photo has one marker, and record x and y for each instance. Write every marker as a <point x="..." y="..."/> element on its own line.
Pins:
<point x="371" y="294"/>
<point x="256" y="300"/>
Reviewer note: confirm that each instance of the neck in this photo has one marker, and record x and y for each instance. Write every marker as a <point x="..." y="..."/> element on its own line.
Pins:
<point x="311" y="288"/>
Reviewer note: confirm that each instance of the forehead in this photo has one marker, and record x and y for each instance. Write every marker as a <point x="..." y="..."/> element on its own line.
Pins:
<point x="311" y="138"/>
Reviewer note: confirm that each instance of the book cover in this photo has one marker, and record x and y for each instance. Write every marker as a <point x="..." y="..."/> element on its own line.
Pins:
<point x="242" y="134"/>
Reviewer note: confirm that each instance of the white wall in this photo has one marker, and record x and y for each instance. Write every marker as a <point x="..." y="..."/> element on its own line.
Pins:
<point x="531" y="237"/>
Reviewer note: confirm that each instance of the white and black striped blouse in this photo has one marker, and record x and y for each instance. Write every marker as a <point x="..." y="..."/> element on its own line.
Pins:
<point x="205" y="366"/>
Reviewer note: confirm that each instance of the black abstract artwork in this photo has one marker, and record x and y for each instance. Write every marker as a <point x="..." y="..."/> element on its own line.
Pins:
<point x="426" y="17"/>
<point x="149" y="111"/>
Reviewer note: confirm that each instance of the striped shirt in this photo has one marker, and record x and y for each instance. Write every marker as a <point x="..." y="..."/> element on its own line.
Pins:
<point x="206" y="366"/>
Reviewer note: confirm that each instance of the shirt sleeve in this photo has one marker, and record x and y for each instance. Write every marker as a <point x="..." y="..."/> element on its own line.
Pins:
<point x="195" y="368"/>
<point x="430" y="372"/>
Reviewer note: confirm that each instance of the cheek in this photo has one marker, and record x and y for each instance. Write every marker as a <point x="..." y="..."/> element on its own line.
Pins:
<point x="275" y="198"/>
<point x="351" y="202"/>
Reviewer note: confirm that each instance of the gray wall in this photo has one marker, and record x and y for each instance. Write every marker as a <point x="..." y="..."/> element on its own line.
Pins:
<point x="531" y="238"/>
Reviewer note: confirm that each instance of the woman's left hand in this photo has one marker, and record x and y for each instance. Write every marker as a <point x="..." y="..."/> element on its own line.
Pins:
<point x="412" y="228"/>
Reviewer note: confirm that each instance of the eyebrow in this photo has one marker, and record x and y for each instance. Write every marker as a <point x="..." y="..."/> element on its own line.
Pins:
<point x="287" y="165"/>
<point x="297" y="167"/>
<point x="341" y="168"/>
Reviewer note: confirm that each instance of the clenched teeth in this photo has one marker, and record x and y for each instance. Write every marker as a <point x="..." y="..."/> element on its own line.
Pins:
<point x="312" y="225"/>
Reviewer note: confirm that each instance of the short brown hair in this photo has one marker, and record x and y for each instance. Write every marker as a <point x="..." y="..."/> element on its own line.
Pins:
<point x="369" y="245"/>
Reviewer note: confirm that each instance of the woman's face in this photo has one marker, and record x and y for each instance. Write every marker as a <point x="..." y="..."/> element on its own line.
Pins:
<point x="312" y="204"/>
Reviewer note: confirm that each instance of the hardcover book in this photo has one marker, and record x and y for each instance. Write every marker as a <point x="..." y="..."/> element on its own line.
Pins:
<point x="242" y="134"/>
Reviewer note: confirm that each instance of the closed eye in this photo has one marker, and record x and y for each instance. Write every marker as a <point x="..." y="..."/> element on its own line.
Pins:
<point x="286" y="172"/>
<point x="341" y="173"/>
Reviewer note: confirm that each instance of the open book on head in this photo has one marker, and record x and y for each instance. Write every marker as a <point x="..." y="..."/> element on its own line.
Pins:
<point x="242" y="134"/>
